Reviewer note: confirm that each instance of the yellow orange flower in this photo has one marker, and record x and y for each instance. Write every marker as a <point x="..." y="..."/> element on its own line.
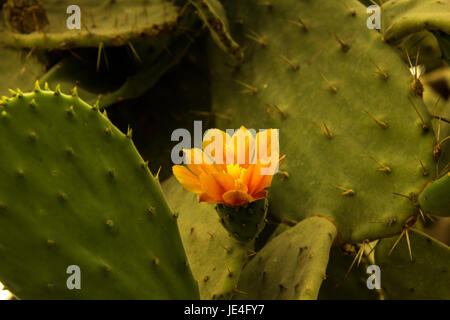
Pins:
<point x="231" y="170"/>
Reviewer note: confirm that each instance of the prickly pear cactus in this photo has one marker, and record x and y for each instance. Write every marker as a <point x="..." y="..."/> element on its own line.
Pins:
<point x="434" y="199"/>
<point x="363" y="119"/>
<point x="354" y="132"/>
<point x="216" y="257"/>
<point x="74" y="191"/>
<point x="292" y="265"/>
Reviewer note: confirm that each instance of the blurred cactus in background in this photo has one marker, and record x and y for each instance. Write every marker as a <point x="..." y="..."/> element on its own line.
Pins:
<point x="86" y="175"/>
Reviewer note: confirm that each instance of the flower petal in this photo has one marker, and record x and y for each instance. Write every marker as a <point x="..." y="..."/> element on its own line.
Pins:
<point x="250" y="161"/>
<point x="211" y="188"/>
<point x="255" y="181"/>
<point x="260" y="195"/>
<point x="237" y="198"/>
<point x="214" y="145"/>
<point x="225" y="180"/>
<point x="265" y="140"/>
<point x="242" y="146"/>
<point x="187" y="179"/>
<point x="215" y="185"/>
<point x="198" y="162"/>
<point x="205" y="197"/>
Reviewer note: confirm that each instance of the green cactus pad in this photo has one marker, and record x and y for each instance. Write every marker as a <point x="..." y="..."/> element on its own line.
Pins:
<point x="352" y="129"/>
<point x="403" y="17"/>
<point x="435" y="198"/>
<point x="213" y="15"/>
<point x="74" y="191"/>
<point x="18" y="70"/>
<point x="244" y="222"/>
<point x="113" y="23"/>
<point x="339" y="284"/>
<point x="426" y="277"/>
<point x="215" y="257"/>
<point x="292" y="265"/>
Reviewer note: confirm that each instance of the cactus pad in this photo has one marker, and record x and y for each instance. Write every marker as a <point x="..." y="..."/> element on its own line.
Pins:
<point x="74" y="191"/>
<point x="215" y="257"/>
<point x="435" y="198"/>
<point x="354" y="132"/>
<point x="292" y="265"/>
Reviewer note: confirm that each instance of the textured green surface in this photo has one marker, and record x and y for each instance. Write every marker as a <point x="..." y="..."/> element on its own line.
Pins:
<point x="292" y="265"/>
<point x="112" y="22"/>
<point x="426" y="277"/>
<point x="214" y="16"/>
<point x="403" y="17"/>
<point x="18" y="70"/>
<point x="215" y="257"/>
<point x="435" y="198"/>
<point x="334" y="84"/>
<point x="244" y="222"/>
<point x="74" y="191"/>
<point x="338" y="285"/>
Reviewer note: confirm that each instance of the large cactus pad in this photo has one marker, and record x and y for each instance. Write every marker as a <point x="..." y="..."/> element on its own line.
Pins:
<point x="358" y="141"/>
<point x="74" y="191"/>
